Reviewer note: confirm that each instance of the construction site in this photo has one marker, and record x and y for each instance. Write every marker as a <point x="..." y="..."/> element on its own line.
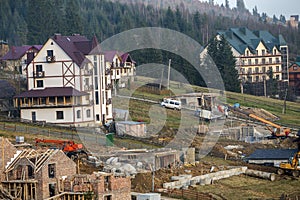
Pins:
<point x="251" y="153"/>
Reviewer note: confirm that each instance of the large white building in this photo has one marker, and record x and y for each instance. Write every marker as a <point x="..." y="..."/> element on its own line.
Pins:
<point x="67" y="84"/>
<point x="256" y="53"/>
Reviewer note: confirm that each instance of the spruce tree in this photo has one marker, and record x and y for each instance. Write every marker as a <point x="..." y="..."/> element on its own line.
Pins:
<point x="220" y="51"/>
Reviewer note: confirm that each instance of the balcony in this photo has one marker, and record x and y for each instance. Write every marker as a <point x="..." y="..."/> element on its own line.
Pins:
<point x="88" y="87"/>
<point x="50" y="59"/>
<point x="88" y="72"/>
<point x="108" y="101"/>
<point x="39" y="74"/>
<point x="107" y="72"/>
<point x="108" y="87"/>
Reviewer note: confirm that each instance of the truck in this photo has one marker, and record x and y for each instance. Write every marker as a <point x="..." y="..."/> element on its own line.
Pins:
<point x="69" y="147"/>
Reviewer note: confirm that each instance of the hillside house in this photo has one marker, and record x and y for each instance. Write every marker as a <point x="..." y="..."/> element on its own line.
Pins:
<point x="257" y="53"/>
<point x="17" y="58"/>
<point x="294" y="75"/>
<point x="4" y="48"/>
<point x="121" y="67"/>
<point x="67" y="84"/>
<point x="35" y="175"/>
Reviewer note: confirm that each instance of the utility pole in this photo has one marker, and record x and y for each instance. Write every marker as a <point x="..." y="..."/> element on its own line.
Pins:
<point x="284" y="102"/>
<point x="161" y="78"/>
<point x="169" y="69"/>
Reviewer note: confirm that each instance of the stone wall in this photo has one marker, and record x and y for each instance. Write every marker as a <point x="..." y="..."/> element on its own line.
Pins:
<point x="7" y="152"/>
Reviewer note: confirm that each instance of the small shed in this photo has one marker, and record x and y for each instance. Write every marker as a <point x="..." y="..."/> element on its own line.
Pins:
<point x="136" y="129"/>
<point x="271" y="156"/>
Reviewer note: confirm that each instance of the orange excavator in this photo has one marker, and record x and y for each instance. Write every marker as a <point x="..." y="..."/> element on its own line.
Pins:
<point x="69" y="147"/>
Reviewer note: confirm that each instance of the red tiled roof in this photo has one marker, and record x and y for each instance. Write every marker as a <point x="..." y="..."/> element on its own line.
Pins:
<point x="17" y="52"/>
<point x="51" y="92"/>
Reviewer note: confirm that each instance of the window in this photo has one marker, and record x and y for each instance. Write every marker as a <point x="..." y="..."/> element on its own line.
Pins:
<point x="118" y="72"/>
<point x="277" y="77"/>
<point x="39" y="83"/>
<point x="263" y="61"/>
<point x="247" y="52"/>
<point x="277" y="60"/>
<point x="263" y="52"/>
<point x="50" y="53"/>
<point x="30" y="171"/>
<point x="97" y="97"/>
<point x="256" y="70"/>
<point x="277" y="68"/>
<point x="78" y="114"/>
<point x="97" y="117"/>
<point x="39" y="68"/>
<point x="256" y="78"/>
<point x="88" y="113"/>
<point x="270" y="60"/>
<point x="59" y="114"/>
<point x="264" y="69"/>
<point x="270" y="69"/>
<point x="51" y="170"/>
<point x="275" y="51"/>
<point x="256" y="61"/>
<point x="249" y="61"/>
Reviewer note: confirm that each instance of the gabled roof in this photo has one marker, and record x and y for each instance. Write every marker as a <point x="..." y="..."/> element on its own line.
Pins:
<point x="109" y="55"/>
<point x="17" y="52"/>
<point x="7" y="90"/>
<point x="51" y="92"/>
<point x="35" y="158"/>
<point x="76" y="46"/>
<point x="241" y="38"/>
<point x="272" y="154"/>
<point x="125" y="57"/>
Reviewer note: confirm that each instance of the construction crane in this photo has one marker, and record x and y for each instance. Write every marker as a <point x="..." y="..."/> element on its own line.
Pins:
<point x="277" y="131"/>
<point x="69" y="147"/>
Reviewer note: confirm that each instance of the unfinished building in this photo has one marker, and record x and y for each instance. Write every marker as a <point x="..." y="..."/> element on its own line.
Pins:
<point x="7" y="152"/>
<point x="35" y="175"/>
<point x="99" y="185"/>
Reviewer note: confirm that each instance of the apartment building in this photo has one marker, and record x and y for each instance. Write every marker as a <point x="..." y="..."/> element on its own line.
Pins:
<point x="257" y="53"/>
<point x="67" y="84"/>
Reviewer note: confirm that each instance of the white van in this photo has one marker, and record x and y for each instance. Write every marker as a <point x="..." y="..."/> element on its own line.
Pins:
<point x="171" y="103"/>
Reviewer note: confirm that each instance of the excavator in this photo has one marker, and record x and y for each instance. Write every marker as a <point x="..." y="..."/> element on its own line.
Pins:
<point x="293" y="166"/>
<point x="277" y="131"/>
<point x="69" y="147"/>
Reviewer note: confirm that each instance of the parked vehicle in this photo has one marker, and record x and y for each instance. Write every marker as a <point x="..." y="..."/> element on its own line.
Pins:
<point x="171" y="103"/>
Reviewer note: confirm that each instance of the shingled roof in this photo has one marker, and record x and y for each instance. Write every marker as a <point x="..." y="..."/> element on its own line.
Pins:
<point x="17" y="52"/>
<point x="272" y="154"/>
<point x="51" y="92"/>
<point x="76" y="46"/>
<point x="242" y="38"/>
